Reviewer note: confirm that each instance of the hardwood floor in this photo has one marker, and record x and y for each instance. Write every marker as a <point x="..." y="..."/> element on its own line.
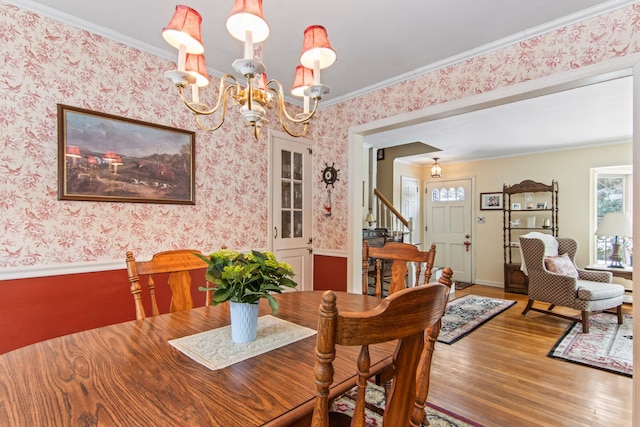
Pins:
<point x="500" y="375"/>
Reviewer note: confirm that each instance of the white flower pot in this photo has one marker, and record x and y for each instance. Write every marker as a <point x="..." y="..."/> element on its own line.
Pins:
<point x="244" y="322"/>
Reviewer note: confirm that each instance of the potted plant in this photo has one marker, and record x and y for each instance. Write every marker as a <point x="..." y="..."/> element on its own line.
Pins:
<point x="242" y="279"/>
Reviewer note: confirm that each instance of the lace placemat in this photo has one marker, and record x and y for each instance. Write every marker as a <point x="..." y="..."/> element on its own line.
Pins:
<point x="215" y="349"/>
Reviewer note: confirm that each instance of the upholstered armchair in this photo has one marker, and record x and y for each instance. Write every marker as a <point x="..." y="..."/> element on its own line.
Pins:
<point x="557" y="281"/>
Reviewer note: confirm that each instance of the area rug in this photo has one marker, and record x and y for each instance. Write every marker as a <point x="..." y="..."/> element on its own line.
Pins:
<point x="465" y="314"/>
<point x="375" y="399"/>
<point x="463" y="285"/>
<point x="607" y="346"/>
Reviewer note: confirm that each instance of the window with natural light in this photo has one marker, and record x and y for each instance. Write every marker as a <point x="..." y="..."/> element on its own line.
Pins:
<point x="613" y="193"/>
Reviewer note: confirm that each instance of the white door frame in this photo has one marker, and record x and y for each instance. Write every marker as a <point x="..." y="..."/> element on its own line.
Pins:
<point x="270" y="211"/>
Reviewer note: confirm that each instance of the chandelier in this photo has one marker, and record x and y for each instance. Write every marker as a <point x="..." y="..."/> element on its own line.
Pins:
<point x="247" y="24"/>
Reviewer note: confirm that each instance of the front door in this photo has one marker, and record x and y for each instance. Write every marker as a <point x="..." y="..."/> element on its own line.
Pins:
<point x="448" y="219"/>
<point x="291" y="205"/>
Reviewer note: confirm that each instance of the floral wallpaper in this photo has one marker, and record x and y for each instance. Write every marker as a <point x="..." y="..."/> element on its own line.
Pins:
<point x="598" y="39"/>
<point x="44" y="62"/>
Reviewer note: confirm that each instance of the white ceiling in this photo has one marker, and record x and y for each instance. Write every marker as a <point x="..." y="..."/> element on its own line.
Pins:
<point x="381" y="42"/>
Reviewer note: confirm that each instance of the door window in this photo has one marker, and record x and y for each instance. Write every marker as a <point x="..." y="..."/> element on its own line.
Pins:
<point x="292" y="194"/>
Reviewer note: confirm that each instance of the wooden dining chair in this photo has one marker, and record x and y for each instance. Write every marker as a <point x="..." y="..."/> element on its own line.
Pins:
<point x="178" y="264"/>
<point x="390" y="264"/>
<point x="385" y="377"/>
<point x="416" y="315"/>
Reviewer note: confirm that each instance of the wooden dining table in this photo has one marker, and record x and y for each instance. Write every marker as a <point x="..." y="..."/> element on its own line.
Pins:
<point x="129" y="375"/>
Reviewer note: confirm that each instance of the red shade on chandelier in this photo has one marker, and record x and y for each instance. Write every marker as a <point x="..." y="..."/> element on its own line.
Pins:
<point x="184" y="29"/>
<point x="302" y="80"/>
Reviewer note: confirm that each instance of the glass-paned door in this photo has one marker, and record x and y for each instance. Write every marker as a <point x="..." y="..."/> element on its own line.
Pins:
<point x="291" y="205"/>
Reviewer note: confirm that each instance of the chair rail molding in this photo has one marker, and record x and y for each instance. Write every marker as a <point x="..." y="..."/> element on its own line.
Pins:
<point x="31" y="271"/>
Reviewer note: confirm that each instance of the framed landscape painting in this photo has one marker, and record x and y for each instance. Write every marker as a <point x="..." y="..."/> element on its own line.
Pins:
<point x="102" y="157"/>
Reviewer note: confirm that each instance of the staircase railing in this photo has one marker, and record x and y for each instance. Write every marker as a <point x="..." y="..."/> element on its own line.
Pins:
<point x="390" y="218"/>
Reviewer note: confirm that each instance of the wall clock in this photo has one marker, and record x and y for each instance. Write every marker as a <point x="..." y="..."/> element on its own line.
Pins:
<point x="330" y="175"/>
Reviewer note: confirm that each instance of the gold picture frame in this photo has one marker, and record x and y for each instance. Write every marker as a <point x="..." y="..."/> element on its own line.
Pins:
<point x="106" y="158"/>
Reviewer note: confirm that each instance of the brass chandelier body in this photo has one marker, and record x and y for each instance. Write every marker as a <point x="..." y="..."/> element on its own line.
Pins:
<point x="230" y="88"/>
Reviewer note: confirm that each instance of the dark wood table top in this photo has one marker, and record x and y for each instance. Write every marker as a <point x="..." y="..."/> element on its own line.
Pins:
<point x="128" y="374"/>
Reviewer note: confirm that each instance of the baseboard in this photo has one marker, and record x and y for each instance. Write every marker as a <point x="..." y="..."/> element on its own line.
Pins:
<point x="488" y="283"/>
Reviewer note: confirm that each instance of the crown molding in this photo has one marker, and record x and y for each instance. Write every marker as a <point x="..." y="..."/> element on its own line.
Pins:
<point x="482" y="50"/>
<point x="168" y="54"/>
<point x="589" y="13"/>
<point x="91" y="27"/>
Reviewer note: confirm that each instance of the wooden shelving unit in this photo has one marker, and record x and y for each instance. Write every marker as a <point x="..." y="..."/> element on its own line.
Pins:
<point x="527" y="206"/>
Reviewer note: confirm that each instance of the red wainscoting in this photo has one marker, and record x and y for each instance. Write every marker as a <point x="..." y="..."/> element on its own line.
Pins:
<point x="37" y="309"/>
<point x="329" y="273"/>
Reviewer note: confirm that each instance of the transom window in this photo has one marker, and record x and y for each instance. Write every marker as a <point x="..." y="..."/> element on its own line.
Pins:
<point x="448" y="194"/>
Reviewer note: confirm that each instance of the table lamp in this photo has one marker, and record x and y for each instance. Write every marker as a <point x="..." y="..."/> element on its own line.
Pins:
<point x="615" y="224"/>
<point x="370" y="219"/>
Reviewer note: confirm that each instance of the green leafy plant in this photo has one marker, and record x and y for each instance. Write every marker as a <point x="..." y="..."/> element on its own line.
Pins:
<point x="246" y="278"/>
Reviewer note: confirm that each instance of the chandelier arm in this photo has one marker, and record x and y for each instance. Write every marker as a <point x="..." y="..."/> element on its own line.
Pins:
<point x="282" y="109"/>
<point x="222" y="94"/>
<point x="290" y="132"/>
<point x="224" y="112"/>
